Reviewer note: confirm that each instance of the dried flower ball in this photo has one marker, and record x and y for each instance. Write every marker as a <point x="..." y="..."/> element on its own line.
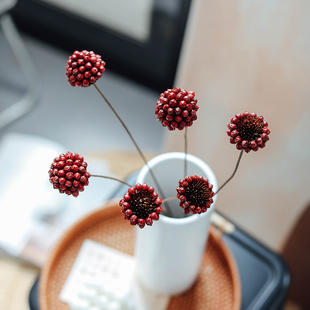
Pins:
<point x="248" y="131"/>
<point x="84" y="68"/>
<point x="141" y="205"/>
<point x="176" y="108"/>
<point x="195" y="194"/>
<point x="68" y="173"/>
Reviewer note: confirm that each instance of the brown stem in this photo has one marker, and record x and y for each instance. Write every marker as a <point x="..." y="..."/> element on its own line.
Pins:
<point x="185" y="151"/>
<point x="236" y="167"/>
<point x="167" y="209"/>
<point x="111" y="178"/>
<point x="132" y="139"/>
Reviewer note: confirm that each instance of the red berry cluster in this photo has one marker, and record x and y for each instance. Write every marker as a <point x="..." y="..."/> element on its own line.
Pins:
<point x="84" y="68"/>
<point x="141" y="205"/>
<point x="248" y="131"/>
<point x="195" y="194"/>
<point x="176" y="108"/>
<point x="68" y="173"/>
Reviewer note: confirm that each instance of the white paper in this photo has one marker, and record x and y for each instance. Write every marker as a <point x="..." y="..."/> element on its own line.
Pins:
<point x="97" y="265"/>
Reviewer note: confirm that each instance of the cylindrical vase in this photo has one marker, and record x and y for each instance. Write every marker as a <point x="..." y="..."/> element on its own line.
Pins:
<point x="169" y="253"/>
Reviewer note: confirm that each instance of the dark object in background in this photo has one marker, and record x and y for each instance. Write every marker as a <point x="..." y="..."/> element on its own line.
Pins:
<point x="297" y="254"/>
<point x="33" y="298"/>
<point x="152" y="62"/>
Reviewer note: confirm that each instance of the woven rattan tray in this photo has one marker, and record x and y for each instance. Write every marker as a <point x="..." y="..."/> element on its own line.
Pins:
<point x="217" y="286"/>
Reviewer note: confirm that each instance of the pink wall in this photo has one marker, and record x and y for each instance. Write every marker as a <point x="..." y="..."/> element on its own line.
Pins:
<point x="252" y="55"/>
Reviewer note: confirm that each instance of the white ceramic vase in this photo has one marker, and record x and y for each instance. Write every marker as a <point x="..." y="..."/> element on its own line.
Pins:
<point x="169" y="253"/>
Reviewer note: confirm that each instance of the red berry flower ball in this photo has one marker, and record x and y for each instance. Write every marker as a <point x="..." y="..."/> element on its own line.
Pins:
<point x="176" y="108"/>
<point x="84" y="68"/>
<point x="195" y="194"/>
<point x="141" y="205"/>
<point x="68" y="173"/>
<point x="248" y="131"/>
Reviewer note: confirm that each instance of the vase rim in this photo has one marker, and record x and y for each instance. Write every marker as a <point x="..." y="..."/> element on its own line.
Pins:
<point x="191" y="158"/>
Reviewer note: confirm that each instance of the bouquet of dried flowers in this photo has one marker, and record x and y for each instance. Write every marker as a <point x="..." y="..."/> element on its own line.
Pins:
<point x="176" y="109"/>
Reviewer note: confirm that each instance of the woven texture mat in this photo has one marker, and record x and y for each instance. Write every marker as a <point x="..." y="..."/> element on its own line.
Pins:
<point x="217" y="287"/>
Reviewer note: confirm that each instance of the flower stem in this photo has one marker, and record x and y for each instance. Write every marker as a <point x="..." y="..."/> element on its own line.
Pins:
<point x="111" y="178"/>
<point x="166" y="208"/>
<point x="169" y="199"/>
<point x="236" y="167"/>
<point x="185" y="152"/>
<point x="132" y="139"/>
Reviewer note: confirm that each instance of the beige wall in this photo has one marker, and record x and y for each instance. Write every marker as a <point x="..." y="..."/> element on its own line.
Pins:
<point x="252" y="55"/>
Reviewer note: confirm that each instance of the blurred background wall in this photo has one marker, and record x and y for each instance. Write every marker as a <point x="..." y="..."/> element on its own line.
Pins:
<point x="249" y="55"/>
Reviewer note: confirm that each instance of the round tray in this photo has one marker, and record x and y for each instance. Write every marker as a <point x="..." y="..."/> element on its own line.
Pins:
<point x="217" y="286"/>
